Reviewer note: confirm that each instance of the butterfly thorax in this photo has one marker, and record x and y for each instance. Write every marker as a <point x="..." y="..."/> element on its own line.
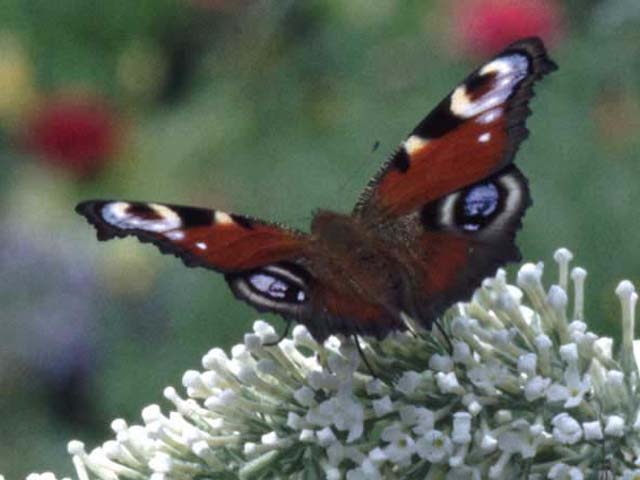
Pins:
<point x="338" y="231"/>
<point x="348" y="254"/>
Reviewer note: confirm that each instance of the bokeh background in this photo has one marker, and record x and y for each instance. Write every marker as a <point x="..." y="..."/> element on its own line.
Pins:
<point x="271" y="108"/>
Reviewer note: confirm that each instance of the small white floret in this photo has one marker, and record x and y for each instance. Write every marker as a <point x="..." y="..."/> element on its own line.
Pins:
<point x="569" y="353"/>
<point x="425" y="421"/>
<point x="536" y="388"/>
<point x="527" y="363"/>
<point x="434" y="446"/>
<point x="461" y="433"/>
<point x="269" y="439"/>
<point x="557" y="298"/>
<point x="592" y="430"/>
<point x="377" y="455"/>
<point x="75" y="447"/>
<point x="307" y="435"/>
<point x="625" y="289"/>
<point x="408" y="382"/>
<point x="448" y="383"/>
<point x="304" y="396"/>
<point x="614" y="426"/>
<point x="462" y="352"/>
<point x="563" y="255"/>
<point x="562" y="471"/>
<point x="566" y="430"/>
<point x="441" y="363"/>
<point x="325" y="436"/>
<point x="382" y="406"/>
<point x="488" y="443"/>
<point x="529" y="276"/>
<point x="543" y="342"/>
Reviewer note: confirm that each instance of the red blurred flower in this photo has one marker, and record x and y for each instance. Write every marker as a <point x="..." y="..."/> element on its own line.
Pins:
<point x="77" y="133"/>
<point x="484" y="27"/>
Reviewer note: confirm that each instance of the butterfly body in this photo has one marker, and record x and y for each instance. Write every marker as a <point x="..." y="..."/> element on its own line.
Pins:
<point x="439" y="216"/>
<point x="378" y="260"/>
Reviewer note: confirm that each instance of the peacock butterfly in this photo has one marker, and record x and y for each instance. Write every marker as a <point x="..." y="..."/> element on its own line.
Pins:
<point x="439" y="216"/>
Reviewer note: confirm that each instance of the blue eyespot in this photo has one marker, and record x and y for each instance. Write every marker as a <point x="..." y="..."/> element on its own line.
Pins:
<point x="478" y="206"/>
<point x="267" y="284"/>
<point x="481" y="200"/>
<point x="276" y="287"/>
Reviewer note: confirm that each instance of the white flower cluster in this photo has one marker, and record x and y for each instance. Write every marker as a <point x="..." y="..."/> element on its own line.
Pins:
<point x="525" y="392"/>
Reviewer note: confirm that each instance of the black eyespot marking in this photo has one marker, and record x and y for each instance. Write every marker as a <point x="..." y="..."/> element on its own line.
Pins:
<point x="195" y="217"/>
<point x="400" y="160"/>
<point x="479" y="85"/>
<point x="242" y="221"/>
<point x="439" y="122"/>
<point x="143" y="211"/>
<point x="477" y="206"/>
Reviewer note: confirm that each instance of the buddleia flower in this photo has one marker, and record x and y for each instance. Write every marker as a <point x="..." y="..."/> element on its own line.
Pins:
<point x="519" y="388"/>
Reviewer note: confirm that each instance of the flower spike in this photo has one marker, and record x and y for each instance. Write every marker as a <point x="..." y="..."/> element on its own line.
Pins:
<point x="526" y="391"/>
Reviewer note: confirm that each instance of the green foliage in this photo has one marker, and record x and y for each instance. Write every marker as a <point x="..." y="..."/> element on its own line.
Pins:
<point x="272" y="109"/>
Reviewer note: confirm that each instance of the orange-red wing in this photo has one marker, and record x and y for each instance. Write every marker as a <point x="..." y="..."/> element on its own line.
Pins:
<point x="474" y="132"/>
<point x="200" y="237"/>
<point x="454" y="267"/>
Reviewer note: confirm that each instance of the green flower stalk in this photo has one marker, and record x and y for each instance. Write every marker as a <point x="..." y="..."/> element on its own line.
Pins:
<point x="527" y="391"/>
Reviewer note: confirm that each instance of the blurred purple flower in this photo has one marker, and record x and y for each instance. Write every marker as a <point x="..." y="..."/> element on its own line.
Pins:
<point x="48" y="289"/>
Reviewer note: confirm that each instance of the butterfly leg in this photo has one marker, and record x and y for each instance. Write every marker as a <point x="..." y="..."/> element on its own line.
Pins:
<point x="363" y="356"/>
<point x="445" y="335"/>
<point x="282" y="337"/>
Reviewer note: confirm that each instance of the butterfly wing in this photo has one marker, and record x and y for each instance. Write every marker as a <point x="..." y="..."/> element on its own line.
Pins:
<point x="464" y="237"/>
<point x="451" y="188"/>
<point x="265" y="265"/>
<point x="262" y="262"/>
<point x="200" y="237"/>
<point x="474" y="132"/>
<point x="448" y="196"/>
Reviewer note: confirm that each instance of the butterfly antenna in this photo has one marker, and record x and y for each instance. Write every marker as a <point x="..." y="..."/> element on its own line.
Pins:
<point x="363" y="356"/>
<point x="282" y="337"/>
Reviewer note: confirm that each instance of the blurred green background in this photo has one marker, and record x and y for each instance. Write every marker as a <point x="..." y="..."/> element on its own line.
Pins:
<point x="268" y="108"/>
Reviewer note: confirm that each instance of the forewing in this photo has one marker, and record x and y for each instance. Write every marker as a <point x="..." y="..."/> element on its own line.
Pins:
<point x="473" y="133"/>
<point x="199" y="236"/>
<point x="262" y="262"/>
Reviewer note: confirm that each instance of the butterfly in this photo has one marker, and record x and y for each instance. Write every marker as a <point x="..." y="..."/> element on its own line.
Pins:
<point x="438" y="217"/>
